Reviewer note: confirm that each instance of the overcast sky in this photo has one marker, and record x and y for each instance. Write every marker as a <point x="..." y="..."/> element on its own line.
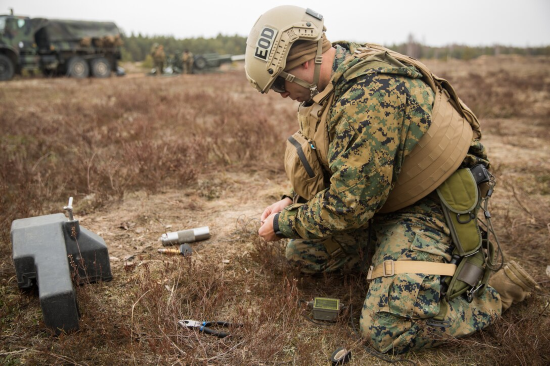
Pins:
<point x="433" y="22"/>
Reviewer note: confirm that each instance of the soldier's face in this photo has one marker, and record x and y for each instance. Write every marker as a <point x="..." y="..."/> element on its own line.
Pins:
<point x="295" y="91"/>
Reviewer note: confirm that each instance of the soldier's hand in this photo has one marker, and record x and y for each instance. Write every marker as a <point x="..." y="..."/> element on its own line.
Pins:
<point x="276" y="207"/>
<point x="266" y="230"/>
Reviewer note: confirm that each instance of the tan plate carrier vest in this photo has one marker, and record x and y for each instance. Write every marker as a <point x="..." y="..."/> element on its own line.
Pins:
<point x="436" y="156"/>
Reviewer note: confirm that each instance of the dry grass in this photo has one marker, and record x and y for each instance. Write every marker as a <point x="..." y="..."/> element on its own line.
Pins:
<point x="207" y="148"/>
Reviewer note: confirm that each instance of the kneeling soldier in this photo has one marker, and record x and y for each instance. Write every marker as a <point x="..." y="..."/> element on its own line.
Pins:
<point x="385" y="153"/>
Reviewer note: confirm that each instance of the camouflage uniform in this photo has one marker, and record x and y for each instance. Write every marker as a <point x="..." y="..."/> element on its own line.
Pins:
<point x="187" y="59"/>
<point x="158" y="57"/>
<point x="380" y="111"/>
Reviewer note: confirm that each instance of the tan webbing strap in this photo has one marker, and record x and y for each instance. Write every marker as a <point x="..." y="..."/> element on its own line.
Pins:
<point x="318" y="62"/>
<point x="319" y="105"/>
<point x="322" y="96"/>
<point x="390" y="268"/>
<point x="324" y="100"/>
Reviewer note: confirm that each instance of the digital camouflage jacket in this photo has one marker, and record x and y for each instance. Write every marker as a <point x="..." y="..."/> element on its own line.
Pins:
<point x="380" y="111"/>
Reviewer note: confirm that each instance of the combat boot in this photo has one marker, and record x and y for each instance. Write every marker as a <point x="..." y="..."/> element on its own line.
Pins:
<point x="513" y="284"/>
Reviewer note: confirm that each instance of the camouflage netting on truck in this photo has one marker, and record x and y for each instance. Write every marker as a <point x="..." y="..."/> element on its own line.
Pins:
<point x="86" y="33"/>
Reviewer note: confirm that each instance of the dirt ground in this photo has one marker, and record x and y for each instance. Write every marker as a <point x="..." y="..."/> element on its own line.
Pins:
<point x="226" y="204"/>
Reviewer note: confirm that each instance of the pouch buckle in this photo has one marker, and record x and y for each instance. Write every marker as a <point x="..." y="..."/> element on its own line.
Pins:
<point x="385" y="272"/>
<point x="392" y="266"/>
<point x="471" y="217"/>
<point x="369" y="273"/>
<point x="470" y="293"/>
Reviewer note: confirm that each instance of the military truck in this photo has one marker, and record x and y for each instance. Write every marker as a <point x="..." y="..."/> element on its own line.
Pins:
<point x="58" y="47"/>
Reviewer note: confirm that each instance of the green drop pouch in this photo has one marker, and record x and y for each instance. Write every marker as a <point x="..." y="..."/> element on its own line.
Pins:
<point x="460" y="201"/>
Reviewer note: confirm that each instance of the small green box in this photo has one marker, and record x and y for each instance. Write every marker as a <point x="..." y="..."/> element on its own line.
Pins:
<point x="325" y="308"/>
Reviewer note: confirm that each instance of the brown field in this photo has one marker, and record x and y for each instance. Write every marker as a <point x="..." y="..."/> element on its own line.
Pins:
<point x="146" y="155"/>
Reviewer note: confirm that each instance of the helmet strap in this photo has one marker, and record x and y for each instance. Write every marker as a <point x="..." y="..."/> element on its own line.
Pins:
<point x="293" y="79"/>
<point x="313" y="87"/>
<point x="318" y="61"/>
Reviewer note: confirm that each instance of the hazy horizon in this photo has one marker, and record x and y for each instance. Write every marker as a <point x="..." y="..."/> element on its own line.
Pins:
<point x="431" y="22"/>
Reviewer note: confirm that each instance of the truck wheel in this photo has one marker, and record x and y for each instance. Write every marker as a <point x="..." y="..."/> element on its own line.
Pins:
<point x="6" y="68"/>
<point x="199" y="63"/>
<point x="101" y="67"/>
<point x="78" y="68"/>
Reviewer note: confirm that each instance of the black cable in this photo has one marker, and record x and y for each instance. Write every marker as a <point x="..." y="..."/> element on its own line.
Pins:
<point x="489" y="229"/>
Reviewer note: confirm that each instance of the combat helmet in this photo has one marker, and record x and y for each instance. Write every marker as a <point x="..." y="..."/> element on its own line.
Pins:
<point x="270" y="40"/>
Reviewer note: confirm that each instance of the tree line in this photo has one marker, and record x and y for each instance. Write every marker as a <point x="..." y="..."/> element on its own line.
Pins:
<point x="138" y="47"/>
<point x="417" y="50"/>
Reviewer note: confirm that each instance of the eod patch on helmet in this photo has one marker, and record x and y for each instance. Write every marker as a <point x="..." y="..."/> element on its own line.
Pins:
<point x="270" y="40"/>
<point x="263" y="47"/>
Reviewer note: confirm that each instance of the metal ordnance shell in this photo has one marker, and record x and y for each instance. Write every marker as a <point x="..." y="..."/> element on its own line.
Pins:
<point x="185" y="236"/>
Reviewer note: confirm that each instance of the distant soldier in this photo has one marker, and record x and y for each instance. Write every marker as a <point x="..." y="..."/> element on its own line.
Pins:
<point x="153" y="49"/>
<point x="158" y="57"/>
<point x="175" y="62"/>
<point x="187" y="59"/>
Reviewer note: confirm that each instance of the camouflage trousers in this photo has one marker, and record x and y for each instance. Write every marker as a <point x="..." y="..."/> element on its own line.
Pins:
<point x="159" y="66"/>
<point x="398" y="311"/>
<point x="187" y="67"/>
<point x="311" y="255"/>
